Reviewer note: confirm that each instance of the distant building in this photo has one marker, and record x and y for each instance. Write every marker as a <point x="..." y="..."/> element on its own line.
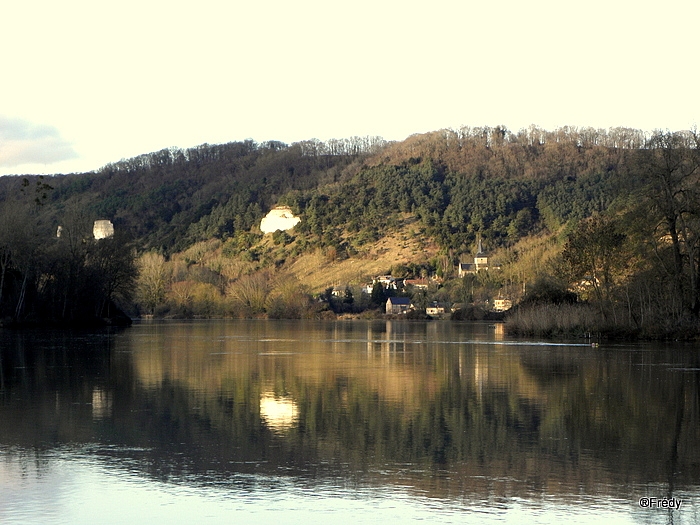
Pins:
<point x="367" y="288"/>
<point x="481" y="262"/>
<point x="501" y="305"/>
<point x="436" y="310"/>
<point x="398" y="305"/>
<point x="421" y="284"/>
<point x="386" y="280"/>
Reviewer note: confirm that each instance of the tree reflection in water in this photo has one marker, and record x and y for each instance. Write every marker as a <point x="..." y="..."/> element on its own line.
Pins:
<point x="453" y="411"/>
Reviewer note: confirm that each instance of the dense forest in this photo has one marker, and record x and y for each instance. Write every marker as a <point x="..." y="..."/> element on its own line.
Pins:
<point x="600" y="224"/>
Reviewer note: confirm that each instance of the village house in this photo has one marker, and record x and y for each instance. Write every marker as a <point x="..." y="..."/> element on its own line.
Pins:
<point x="436" y="309"/>
<point x="501" y="305"/>
<point x="398" y="305"/>
<point x="421" y="284"/>
<point x="387" y="281"/>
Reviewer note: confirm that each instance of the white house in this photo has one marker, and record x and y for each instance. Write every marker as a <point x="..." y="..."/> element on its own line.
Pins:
<point x="501" y="305"/>
<point x="436" y="309"/>
<point x="386" y="280"/>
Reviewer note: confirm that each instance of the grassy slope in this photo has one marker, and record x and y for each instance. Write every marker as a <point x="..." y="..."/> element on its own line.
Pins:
<point x="406" y="244"/>
<point x="397" y="247"/>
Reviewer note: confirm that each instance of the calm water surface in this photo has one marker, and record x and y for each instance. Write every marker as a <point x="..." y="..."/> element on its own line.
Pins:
<point x="363" y="422"/>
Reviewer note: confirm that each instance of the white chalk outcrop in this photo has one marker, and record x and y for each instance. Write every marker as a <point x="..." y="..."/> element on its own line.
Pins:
<point x="102" y="229"/>
<point x="279" y="218"/>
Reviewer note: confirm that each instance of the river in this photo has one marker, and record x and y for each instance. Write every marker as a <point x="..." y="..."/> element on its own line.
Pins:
<point x="350" y="421"/>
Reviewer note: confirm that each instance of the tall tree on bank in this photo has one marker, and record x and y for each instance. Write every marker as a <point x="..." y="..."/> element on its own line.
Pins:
<point x="670" y="166"/>
<point x="596" y="256"/>
<point x="112" y="266"/>
<point x="152" y="280"/>
<point x="20" y="246"/>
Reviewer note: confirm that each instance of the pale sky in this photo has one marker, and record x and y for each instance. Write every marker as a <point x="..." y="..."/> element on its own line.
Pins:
<point x="85" y="83"/>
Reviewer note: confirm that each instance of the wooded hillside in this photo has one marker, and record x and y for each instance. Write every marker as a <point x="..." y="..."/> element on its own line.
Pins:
<point x="450" y="186"/>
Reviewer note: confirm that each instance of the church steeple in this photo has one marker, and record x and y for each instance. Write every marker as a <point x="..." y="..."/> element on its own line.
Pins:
<point x="481" y="259"/>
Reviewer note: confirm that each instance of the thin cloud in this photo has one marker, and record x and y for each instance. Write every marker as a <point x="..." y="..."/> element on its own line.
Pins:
<point x="23" y="142"/>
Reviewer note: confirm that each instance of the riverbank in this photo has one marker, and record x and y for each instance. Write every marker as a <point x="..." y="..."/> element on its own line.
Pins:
<point x="585" y="321"/>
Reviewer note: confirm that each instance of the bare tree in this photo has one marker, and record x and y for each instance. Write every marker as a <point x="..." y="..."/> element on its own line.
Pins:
<point x="671" y="167"/>
<point x="252" y="291"/>
<point x="152" y="280"/>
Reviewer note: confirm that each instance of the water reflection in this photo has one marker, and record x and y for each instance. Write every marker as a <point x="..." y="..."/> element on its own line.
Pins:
<point x="455" y="412"/>
<point x="280" y="413"/>
<point x="101" y="403"/>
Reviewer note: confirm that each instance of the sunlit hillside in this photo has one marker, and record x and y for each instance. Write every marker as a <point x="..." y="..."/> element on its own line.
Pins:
<point x="566" y="215"/>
